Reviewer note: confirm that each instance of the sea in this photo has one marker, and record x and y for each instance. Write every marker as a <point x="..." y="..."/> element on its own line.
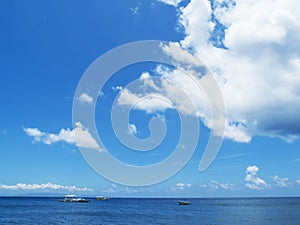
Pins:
<point x="139" y="211"/>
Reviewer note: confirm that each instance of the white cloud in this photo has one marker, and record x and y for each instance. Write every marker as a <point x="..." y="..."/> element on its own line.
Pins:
<point x="173" y="89"/>
<point x="168" y="91"/>
<point x="215" y="185"/>
<point x="79" y="136"/>
<point x="132" y="129"/>
<point x="34" y="132"/>
<point x="298" y="181"/>
<point x="252" y="170"/>
<point x="45" y="186"/>
<point x="281" y="182"/>
<point x="153" y="103"/>
<point x="149" y="102"/>
<point x="85" y="98"/>
<point x="171" y="2"/>
<point x="259" y="71"/>
<point x="254" y="182"/>
<point x="181" y="187"/>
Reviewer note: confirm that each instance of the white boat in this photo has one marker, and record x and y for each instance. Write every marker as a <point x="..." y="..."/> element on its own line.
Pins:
<point x="102" y="198"/>
<point x="73" y="198"/>
<point x="183" y="202"/>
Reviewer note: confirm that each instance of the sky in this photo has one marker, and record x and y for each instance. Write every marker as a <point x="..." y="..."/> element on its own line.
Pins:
<point x="250" y="47"/>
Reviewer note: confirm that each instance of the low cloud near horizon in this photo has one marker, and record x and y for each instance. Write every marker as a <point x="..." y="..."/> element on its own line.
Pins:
<point x="44" y="186"/>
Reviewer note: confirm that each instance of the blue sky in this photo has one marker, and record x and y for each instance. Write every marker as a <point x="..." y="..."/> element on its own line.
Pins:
<point x="251" y="49"/>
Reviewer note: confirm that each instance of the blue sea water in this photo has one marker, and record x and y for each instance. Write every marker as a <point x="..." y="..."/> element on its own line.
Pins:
<point x="240" y="211"/>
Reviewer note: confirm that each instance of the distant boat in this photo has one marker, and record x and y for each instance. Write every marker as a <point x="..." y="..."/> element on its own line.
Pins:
<point x="73" y="198"/>
<point x="183" y="202"/>
<point x="101" y="198"/>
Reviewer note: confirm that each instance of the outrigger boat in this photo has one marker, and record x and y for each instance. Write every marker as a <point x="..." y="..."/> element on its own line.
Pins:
<point x="73" y="198"/>
<point x="183" y="202"/>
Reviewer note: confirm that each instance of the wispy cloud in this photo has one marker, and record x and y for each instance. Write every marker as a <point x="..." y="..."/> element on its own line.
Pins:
<point x="234" y="156"/>
<point x="135" y="10"/>
<point x="123" y="189"/>
<point x="45" y="186"/>
<point x="79" y="136"/>
<point x="254" y="182"/>
<point x="281" y="182"/>
<point x="181" y="187"/>
<point x="215" y="185"/>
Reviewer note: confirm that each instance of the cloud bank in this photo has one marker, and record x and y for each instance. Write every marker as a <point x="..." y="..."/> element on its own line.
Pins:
<point x="259" y="68"/>
<point x="45" y="186"/>
<point x="252" y="47"/>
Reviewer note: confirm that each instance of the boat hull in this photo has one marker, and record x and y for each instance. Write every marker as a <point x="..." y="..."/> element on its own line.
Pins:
<point x="183" y="203"/>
